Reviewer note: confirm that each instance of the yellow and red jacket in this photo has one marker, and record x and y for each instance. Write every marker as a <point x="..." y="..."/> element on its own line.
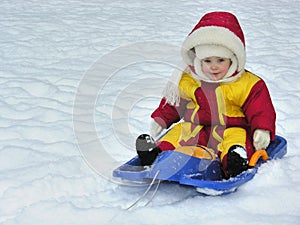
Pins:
<point x="244" y="103"/>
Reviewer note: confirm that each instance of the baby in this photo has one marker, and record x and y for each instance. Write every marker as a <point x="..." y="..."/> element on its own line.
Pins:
<point x="214" y="101"/>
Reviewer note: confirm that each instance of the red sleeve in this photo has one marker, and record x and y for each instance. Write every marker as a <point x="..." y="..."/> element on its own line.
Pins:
<point x="166" y="114"/>
<point x="259" y="109"/>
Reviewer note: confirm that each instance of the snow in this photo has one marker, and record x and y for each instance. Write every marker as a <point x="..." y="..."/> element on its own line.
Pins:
<point x="78" y="81"/>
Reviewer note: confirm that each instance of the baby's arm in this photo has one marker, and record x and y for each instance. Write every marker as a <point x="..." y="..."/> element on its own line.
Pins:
<point x="261" y="115"/>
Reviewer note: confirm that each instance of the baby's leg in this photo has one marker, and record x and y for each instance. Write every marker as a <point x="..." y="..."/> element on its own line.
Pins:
<point x="182" y="134"/>
<point x="235" y="150"/>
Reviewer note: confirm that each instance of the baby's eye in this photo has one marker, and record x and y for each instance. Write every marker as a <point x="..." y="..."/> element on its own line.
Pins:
<point x="221" y="60"/>
<point x="207" y="60"/>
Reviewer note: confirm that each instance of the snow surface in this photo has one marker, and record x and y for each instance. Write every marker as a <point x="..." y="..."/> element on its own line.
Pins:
<point x="79" y="80"/>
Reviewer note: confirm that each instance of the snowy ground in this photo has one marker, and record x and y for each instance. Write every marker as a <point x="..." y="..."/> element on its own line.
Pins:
<point x="72" y="102"/>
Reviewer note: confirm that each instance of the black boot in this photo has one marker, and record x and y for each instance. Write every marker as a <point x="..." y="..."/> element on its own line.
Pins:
<point x="237" y="161"/>
<point x="146" y="149"/>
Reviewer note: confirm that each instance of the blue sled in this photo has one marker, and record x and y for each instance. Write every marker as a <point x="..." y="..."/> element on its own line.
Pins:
<point x="204" y="174"/>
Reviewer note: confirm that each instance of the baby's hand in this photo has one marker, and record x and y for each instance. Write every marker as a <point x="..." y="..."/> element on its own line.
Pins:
<point x="261" y="139"/>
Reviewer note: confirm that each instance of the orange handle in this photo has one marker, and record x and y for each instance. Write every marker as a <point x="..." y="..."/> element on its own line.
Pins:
<point x="255" y="157"/>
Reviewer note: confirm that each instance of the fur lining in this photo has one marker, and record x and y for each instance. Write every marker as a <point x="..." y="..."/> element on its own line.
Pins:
<point x="211" y="35"/>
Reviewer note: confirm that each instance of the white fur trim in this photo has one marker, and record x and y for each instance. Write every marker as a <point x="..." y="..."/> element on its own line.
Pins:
<point x="217" y="36"/>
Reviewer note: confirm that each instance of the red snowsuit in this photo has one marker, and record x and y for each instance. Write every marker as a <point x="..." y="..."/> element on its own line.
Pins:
<point x="217" y="115"/>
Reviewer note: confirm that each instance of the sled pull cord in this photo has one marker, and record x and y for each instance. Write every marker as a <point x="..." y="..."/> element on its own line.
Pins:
<point x="256" y="156"/>
<point x="146" y="192"/>
<point x="153" y="194"/>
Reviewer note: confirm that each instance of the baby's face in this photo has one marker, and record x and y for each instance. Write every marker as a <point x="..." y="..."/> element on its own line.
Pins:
<point x="215" y="68"/>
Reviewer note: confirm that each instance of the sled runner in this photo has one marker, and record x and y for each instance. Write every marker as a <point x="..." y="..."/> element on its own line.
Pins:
<point x="198" y="168"/>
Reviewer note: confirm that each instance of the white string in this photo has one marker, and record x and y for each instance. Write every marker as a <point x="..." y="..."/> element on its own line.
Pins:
<point x="146" y="192"/>
<point x="153" y="194"/>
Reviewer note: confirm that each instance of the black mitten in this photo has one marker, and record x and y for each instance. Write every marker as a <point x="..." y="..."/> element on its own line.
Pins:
<point x="237" y="161"/>
<point x="146" y="149"/>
